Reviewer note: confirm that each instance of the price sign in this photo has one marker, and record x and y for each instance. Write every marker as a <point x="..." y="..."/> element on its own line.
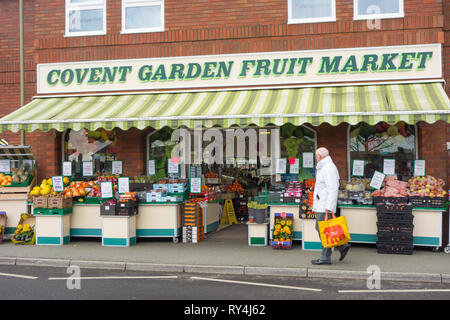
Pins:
<point x="67" y="169"/>
<point x="117" y="167"/>
<point x="295" y="167"/>
<point x="124" y="184"/>
<point x="377" y="180"/>
<point x="172" y="167"/>
<point x="196" y="185"/>
<point x="281" y="166"/>
<point x="358" y="168"/>
<point x="106" y="189"/>
<point x="88" y="168"/>
<point x="151" y="170"/>
<point x="5" y="166"/>
<point x="389" y="167"/>
<point x="308" y="160"/>
<point x="57" y="183"/>
<point x="419" y="168"/>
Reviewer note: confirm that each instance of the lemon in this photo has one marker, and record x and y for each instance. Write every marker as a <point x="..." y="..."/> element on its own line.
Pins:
<point x="44" y="182"/>
<point x="66" y="180"/>
<point x="49" y="182"/>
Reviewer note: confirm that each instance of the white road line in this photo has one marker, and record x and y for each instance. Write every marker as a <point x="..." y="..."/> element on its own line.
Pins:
<point x="257" y="284"/>
<point x="17" y="276"/>
<point x="394" y="291"/>
<point x="114" y="277"/>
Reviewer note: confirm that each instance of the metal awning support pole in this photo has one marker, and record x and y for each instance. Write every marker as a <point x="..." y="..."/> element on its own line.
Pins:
<point x="22" y="71"/>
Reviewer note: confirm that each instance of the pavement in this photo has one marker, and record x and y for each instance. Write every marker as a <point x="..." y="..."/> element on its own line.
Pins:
<point x="227" y="252"/>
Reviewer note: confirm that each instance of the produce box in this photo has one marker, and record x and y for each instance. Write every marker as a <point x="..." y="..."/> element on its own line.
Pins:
<point x="40" y="202"/>
<point x="108" y="209"/>
<point x="378" y="199"/>
<point x="120" y="211"/>
<point x="52" y="211"/>
<point x="428" y="202"/>
<point x="59" y="202"/>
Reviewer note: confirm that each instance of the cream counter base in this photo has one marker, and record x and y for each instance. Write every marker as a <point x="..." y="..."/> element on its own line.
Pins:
<point x="362" y="224"/>
<point x="257" y="234"/>
<point x="159" y="220"/>
<point x="52" y="229"/>
<point x="86" y="221"/>
<point x="118" y="231"/>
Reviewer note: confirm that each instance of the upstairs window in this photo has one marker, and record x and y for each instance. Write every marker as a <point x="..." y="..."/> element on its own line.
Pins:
<point x="310" y="11"/>
<point x="85" y="17"/>
<point x="378" y="9"/>
<point x="142" y="16"/>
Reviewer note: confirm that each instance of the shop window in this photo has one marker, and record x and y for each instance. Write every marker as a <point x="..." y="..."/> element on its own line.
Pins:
<point x="98" y="146"/>
<point x="307" y="11"/>
<point x="378" y="9"/>
<point x="373" y="144"/>
<point x="142" y="16"/>
<point x="85" y="17"/>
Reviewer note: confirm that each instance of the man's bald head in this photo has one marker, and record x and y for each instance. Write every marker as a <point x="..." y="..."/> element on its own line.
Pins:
<point x="321" y="153"/>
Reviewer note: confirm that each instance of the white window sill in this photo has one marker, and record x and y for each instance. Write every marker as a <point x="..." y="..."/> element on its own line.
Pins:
<point x="142" y="31"/>
<point x="379" y="16"/>
<point x="85" y="34"/>
<point x="315" y="20"/>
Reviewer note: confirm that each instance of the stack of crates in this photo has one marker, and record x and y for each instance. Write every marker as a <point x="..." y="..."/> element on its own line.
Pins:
<point x="192" y="222"/>
<point x="395" y="228"/>
<point x="240" y="206"/>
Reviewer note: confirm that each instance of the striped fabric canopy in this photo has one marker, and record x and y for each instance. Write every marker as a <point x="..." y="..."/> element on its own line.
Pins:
<point x="352" y="104"/>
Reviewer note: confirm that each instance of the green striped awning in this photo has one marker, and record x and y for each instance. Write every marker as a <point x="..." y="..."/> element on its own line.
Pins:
<point x="16" y="153"/>
<point x="352" y="104"/>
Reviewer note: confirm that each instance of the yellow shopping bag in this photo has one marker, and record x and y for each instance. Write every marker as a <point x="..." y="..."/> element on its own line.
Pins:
<point x="333" y="232"/>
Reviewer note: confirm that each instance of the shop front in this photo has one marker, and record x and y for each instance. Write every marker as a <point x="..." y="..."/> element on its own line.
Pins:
<point x="179" y="147"/>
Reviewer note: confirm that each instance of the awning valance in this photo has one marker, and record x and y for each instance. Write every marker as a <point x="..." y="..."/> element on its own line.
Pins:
<point x="352" y="104"/>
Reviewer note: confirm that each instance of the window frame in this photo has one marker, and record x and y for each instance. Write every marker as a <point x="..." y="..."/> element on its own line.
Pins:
<point x="357" y="16"/>
<point x="331" y="18"/>
<point x="141" y="3"/>
<point x="92" y="5"/>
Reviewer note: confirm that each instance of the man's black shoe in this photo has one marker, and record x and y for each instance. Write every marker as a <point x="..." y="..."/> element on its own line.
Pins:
<point x="344" y="252"/>
<point x="318" y="261"/>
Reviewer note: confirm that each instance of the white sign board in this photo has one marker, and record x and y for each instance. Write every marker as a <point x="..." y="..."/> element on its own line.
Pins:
<point x="88" y="168"/>
<point x="389" y="167"/>
<point x="106" y="189"/>
<point x="124" y="184"/>
<point x="377" y="180"/>
<point x="5" y="166"/>
<point x="117" y="167"/>
<point x="67" y="168"/>
<point x="172" y="167"/>
<point x="151" y="170"/>
<point x="281" y="166"/>
<point x="196" y="185"/>
<point x="358" y="168"/>
<point x="57" y="183"/>
<point x="295" y="167"/>
<point x="419" y="168"/>
<point x="308" y="160"/>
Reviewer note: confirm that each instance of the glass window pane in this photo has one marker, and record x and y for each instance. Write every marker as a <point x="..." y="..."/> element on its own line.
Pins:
<point x="307" y="9"/>
<point x="85" y="20"/>
<point x="368" y="7"/>
<point x="143" y="17"/>
<point x="373" y="144"/>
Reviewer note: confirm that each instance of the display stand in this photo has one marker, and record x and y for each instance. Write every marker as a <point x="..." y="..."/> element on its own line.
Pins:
<point x="257" y="234"/>
<point x="86" y="221"/>
<point x="159" y="220"/>
<point x="52" y="229"/>
<point x="311" y="239"/>
<point x="211" y="216"/>
<point x="118" y="231"/>
<point x="362" y="224"/>
<point x="288" y="208"/>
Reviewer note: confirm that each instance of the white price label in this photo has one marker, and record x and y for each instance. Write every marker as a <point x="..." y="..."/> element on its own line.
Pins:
<point x="124" y="184"/>
<point x="389" y="167"/>
<point x="419" y="168"/>
<point x="196" y="185"/>
<point x="358" y="168"/>
<point x="117" y="167"/>
<point x="5" y="166"/>
<point x="88" y="168"/>
<point x="67" y="169"/>
<point x="377" y="180"/>
<point x="308" y="160"/>
<point x="151" y="168"/>
<point x="106" y="189"/>
<point x="281" y="166"/>
<point x="58" y="184"/>
<point x="295" y="168"/>
<point x="172" y="167"/>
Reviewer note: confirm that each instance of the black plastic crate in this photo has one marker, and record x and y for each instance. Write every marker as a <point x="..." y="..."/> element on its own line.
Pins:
<point x="395" y="218"/>
<point x="395" y="237"/>
<point x="382" y="200"/>
<point x="397" y="227"/>
<point x="395" y="248"/>
<point x="399" y="208"/>
<point x="428" y="202"/>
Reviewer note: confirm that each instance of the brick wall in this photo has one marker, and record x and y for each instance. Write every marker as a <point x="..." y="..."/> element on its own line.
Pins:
<point x="202" y="27"/>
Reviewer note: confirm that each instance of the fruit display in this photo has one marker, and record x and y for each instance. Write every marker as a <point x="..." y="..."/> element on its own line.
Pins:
<point x="44" y="189"/>
<point x="427" y="186"/>
<point x="211" y="174"/>
<point x="392" y="188"/>
<point x="307" y="200"/>
<point x="18" y="176"/>
<point x="236" y="187"/>
<point x="78" y="189"/>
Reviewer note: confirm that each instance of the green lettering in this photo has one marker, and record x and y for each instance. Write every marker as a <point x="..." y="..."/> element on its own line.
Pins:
<point x="145" y="72"/>
<point x="405" y="63"/>
<point x="81" y="74"/>
<point x="223" y="68"/>
<point x="94" y="76"/>
<point x="304" y="62"/>
<point x="160" y="74"/>
<point x="386" y="62"/>
<point x="176" y="71"/>
<point x="193" y="71"/>
<point x="423" y="57"/>
<point x="262" y="65"/>
<point x="245" y="67"/>
<point x="292" y="62"/>
<point x="123" y="73"/>
<point x="208" y="72"/>
<point x="328" y="66"/>
<point x="350" y="65"/>
<point x="108" y="75"/>
<point x="50" y="75"/>
<point x="66" y="77"/>
<point x="276" y="64"/>
<point x="369" y="60"/>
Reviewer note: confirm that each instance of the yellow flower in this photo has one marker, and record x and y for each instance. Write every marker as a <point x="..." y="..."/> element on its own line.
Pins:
<point x="289" y="222"/>
<point x="275" y="233"/>
<point x="278" y="227"/>
<point x="283" y="222"/>
<point x="26" y="228"/>
<point x="19" y="227"/>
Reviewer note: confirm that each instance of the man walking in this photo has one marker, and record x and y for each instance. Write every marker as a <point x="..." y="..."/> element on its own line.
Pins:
<point x="325" y="199"/>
